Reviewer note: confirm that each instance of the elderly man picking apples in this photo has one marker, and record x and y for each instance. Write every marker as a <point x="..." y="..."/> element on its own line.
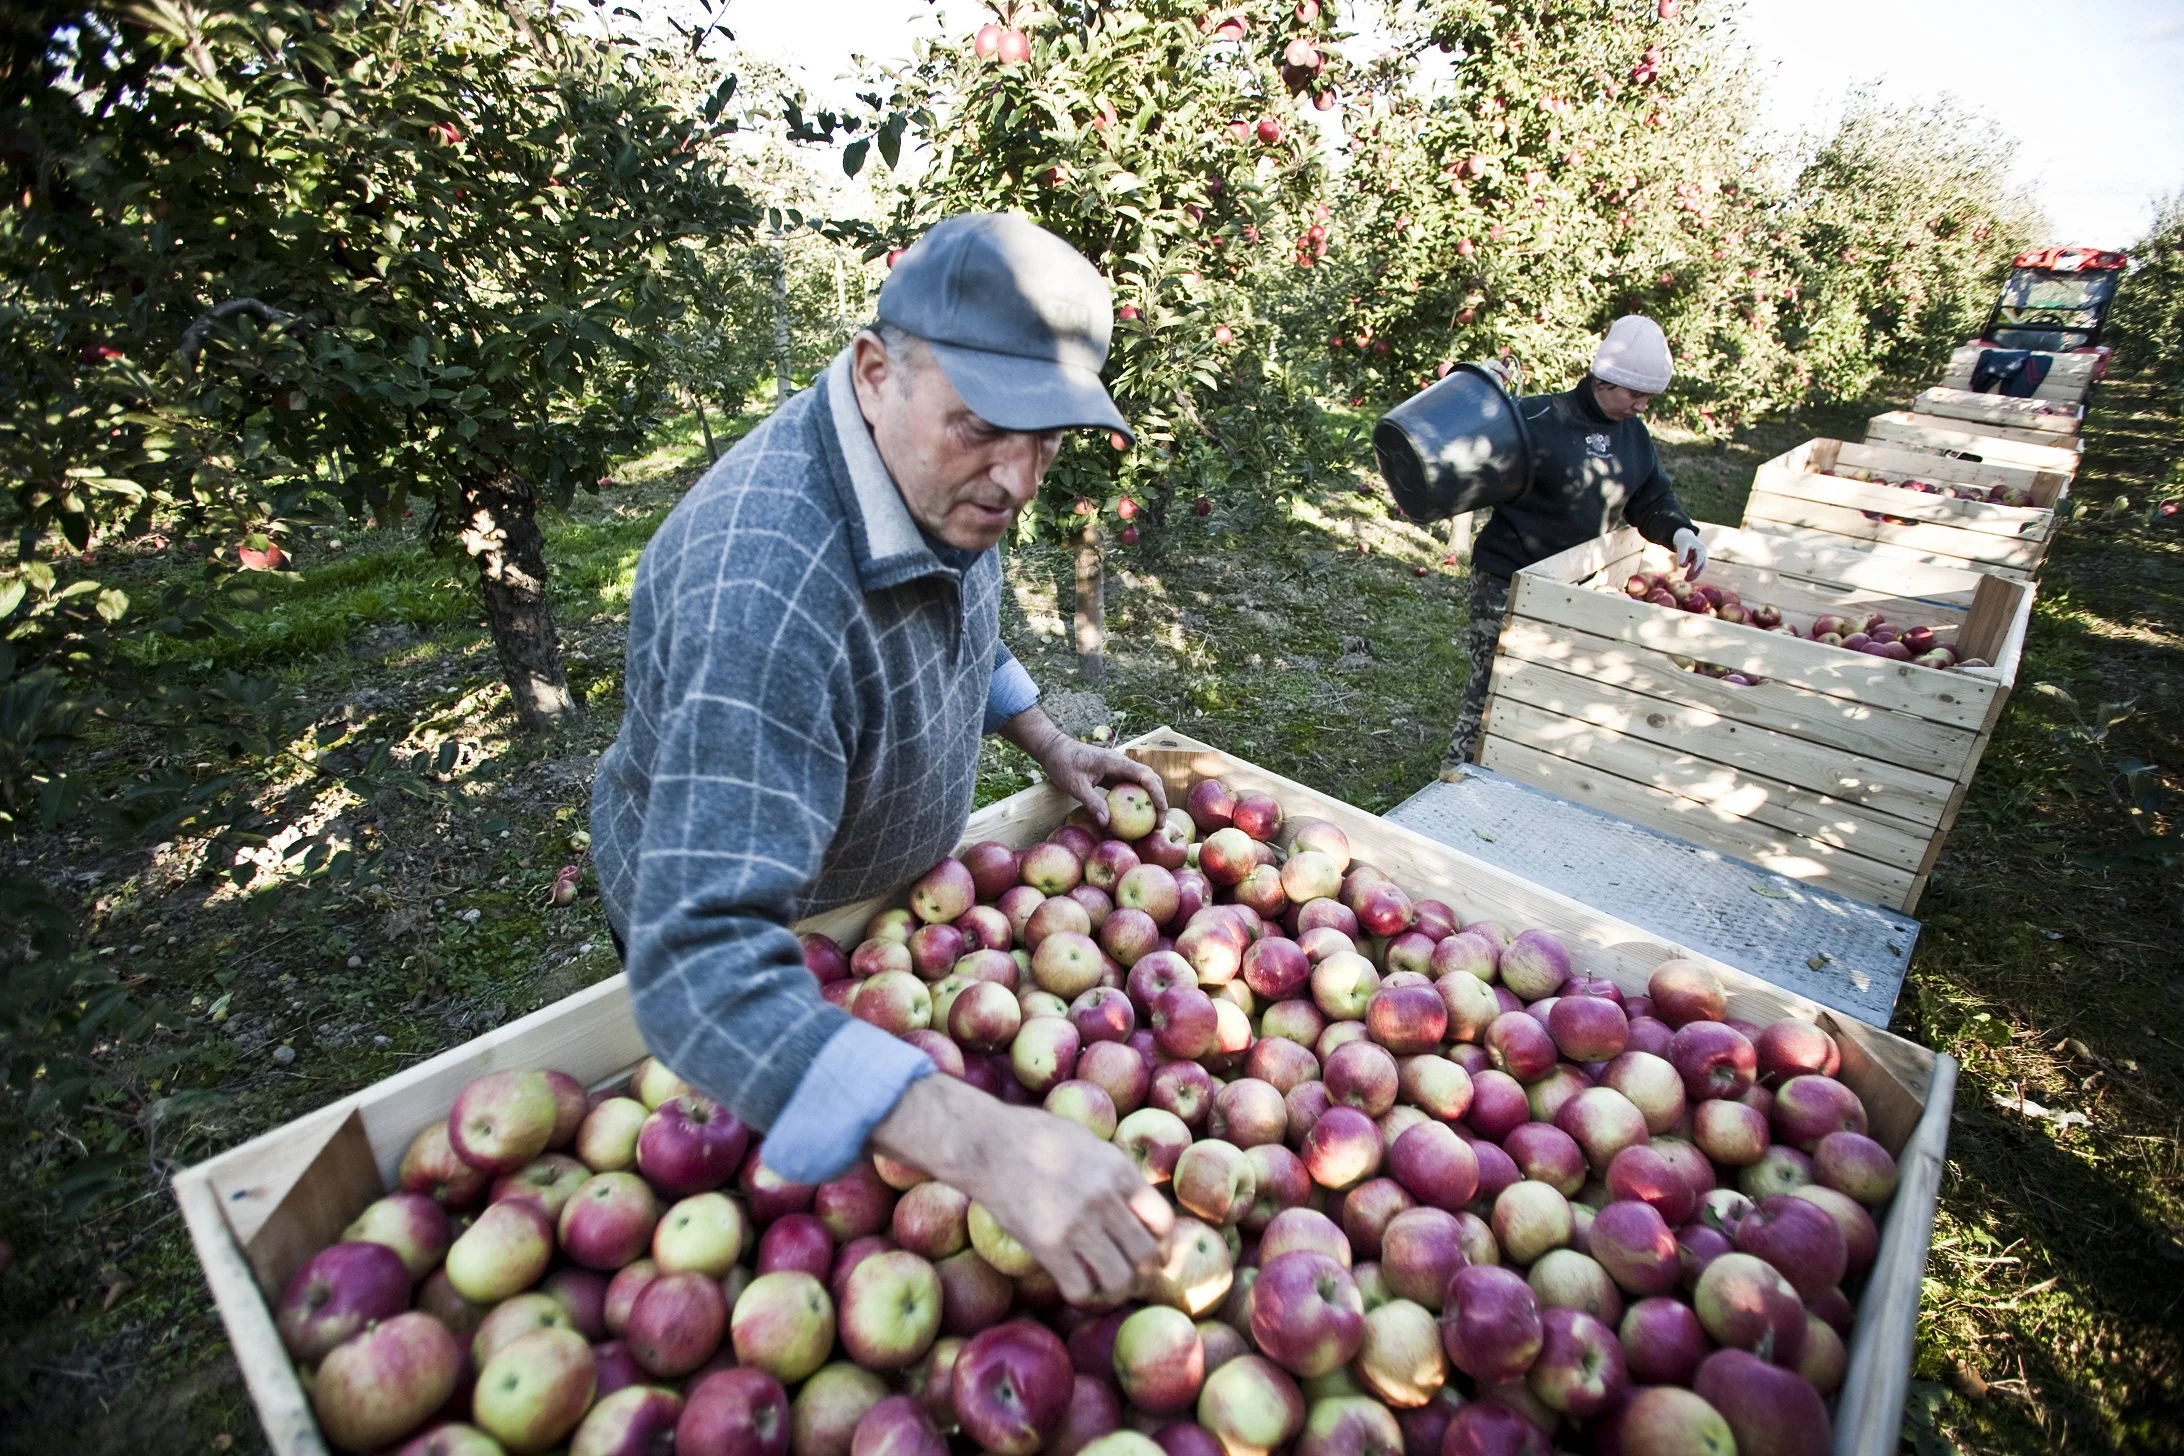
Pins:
<point x="1593" y="469"/>
<point x="814" y="653"/>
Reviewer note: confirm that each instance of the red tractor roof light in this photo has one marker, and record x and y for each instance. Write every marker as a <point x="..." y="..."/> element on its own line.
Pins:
<point x="2069" y="260"/>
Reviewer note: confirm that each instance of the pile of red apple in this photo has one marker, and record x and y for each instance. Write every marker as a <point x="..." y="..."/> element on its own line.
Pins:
<point x="1869" y="633"/>
<point x="1672" y="589"/>
<point x="1439" y="1194"/>
<point x="1993" y="495"/>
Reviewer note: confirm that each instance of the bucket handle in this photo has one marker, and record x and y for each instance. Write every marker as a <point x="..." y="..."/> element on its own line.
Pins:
<point x="1508" y="367"/>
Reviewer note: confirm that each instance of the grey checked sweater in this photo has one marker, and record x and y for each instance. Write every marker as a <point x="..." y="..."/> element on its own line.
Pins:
<point x="807" y="683"/>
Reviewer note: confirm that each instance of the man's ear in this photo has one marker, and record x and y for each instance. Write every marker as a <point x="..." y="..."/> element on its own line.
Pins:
<point x="872" y="371"/>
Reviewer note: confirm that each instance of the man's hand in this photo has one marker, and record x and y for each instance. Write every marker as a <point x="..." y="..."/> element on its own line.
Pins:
<point x="1077" y="769"/>
<point x="1690" y="552"/>
<point x="1077" y="1204"/>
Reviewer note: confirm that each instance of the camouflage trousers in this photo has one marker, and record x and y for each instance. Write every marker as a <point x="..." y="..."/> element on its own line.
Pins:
<point x="1489" y="602"/>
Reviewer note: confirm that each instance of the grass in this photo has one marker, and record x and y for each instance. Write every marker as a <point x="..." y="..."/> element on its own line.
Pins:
<point x="1294" y="629"/>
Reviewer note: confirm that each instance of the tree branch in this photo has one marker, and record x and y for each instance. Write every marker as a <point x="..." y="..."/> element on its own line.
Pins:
<point x="193" y="337"/>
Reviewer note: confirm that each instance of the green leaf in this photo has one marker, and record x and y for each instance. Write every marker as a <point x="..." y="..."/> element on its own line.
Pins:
<point x="720" y="97"/>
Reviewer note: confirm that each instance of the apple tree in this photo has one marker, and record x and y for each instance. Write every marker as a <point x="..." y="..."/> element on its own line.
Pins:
<point x="269" y="264"/>
<point x="361" y="255"/>
<point x="2148" y="313"/>
<point x="1899" y="231"/>
<point x="1163" y="141"/>
<point x="1584" y="160"/>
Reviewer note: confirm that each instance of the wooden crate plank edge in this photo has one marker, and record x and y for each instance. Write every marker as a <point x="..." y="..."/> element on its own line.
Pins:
<point x="1869" y="1413"/>
<point x="275" y="1392"/>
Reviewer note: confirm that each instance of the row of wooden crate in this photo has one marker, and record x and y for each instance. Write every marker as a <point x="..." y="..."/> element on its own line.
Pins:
<point x="1847" y="494"/>
<point x="1820" y="763"/>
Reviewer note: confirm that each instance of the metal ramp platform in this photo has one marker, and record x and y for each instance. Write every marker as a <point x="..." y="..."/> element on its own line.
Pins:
<point x="1837" y="951"/>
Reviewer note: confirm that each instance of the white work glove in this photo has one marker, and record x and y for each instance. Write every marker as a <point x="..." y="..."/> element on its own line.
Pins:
<point x="1690" y="552"/>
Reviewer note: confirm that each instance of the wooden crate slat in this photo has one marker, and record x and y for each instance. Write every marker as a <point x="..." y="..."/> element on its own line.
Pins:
<point x="1995" y="627"/>
<point x="1780" y="707"/>
<point x="1950" y="542"/>
<point x="2011" y="523"/>
<point x="1842" y="574"/>
<point x="2035" y="416"/>
<point x="1784" y="851"/>
<point x="1902" y="462"/>
<point x="1891" y="846"/>
<point x="1898" y="1080"/>
<point x="1955" y="437"/>
<point x="1869" y="1411"/>
<point x="1890" y="550"/>
<point x="1912" y="800"/>
<point x="1959" y="548"/>
<point x="1947" y="698"/>
<point x="2021" y="526"/>
<point x="284" y="1411"/>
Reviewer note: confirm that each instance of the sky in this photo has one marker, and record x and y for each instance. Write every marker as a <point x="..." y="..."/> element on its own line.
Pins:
<point x="2093" y="90"/>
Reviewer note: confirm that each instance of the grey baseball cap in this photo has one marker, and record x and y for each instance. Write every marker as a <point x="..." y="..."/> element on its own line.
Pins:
<point x="1018" y="319"/>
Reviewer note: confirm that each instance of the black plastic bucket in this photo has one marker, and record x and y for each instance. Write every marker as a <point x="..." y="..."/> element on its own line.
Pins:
<point x="1458" y="446"/>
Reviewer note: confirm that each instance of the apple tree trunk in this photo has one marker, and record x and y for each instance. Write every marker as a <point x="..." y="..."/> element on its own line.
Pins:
<point x="783" y="383"/>
<point x="1091" y="613"/>
<point x="500" y="531"/>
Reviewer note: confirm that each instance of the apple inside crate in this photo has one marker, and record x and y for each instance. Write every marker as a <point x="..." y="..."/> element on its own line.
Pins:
<point x="1813" y="760"/>
<point x="1909" y="505"/>
<point x="260" y="1212"/>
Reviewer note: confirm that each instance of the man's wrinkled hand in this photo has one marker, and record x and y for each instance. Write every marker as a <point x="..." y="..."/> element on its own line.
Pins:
<point x="1078" y="1205"/>
<point x="1081" y="770"/>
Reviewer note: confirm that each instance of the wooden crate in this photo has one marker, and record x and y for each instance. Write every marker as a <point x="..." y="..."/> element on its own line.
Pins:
<point x="1841" y="769"/>
<point x="2036" y="418"/>
<point x="1808" y="494"/>
<point x="256" y="1212"/>
<point x="1962" y="438"/>
<point x="2070" y="377"/>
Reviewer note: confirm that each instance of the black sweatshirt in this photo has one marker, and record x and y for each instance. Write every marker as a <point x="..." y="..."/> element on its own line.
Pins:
<point x="1590" y="475"/>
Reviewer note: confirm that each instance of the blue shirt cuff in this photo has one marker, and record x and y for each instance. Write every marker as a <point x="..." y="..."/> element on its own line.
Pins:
<point x="846" y="1091"/>
<point x="1012" y="690"/>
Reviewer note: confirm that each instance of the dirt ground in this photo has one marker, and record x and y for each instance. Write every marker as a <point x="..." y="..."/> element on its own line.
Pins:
<point x="1290" y="628"/>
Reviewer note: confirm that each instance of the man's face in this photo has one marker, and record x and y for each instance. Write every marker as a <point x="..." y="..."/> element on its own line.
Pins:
<point x="963" y="480"/>
<point x="1618" y="403"/>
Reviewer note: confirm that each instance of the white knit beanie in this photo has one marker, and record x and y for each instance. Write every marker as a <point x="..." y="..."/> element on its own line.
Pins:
<point x="1634" y="355"/>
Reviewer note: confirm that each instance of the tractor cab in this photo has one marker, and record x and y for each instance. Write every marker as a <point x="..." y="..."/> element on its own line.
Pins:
<point x="2055" y="301"/>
